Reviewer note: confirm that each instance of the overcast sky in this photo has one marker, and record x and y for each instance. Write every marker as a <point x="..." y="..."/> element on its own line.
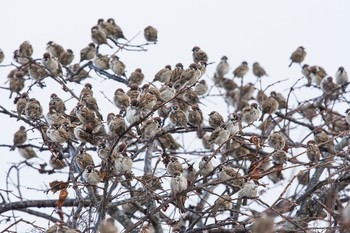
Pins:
<point x="263" y="31"/>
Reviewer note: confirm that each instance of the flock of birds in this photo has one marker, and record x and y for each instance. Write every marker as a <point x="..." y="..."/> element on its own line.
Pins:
<point x="148" y="113"/>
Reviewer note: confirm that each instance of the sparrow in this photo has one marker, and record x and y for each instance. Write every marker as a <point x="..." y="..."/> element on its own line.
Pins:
<point x="282" y="102"/>
<point x="195" y="117"/>
<point x="20" y="59"/>
<point x="27" y="152"/>
<point x="224" y="202"/>
<point x="206" y="167"/>
<point x="199" y="55"/>
<point x="190" y="97"/>
<point x="174" y="166"/>
<point x="258" y="70"/>
<point x="324" y="142"/>
<point x="178" y="184"/>
<point x="230" y="176"/>
<point x="136" y="77"/>
<point x="52" y="64"/>
<point x="228" y="84"/>
<point x="306" y="73"/>
<point x="91" y="175"/>
<point x="53" y="117"/>
<point x="2" y="56"/>
<point x="19" y="138"/>
<point x="148" y="228"/>
<point x="249" y="190"/>
<point x="205" y="142"/>
<point x="241" y="70"/>
<point x="151" y="34"/>
<point x="108" y="226"/>
<point x="151" y="89"/>
<point x="116" y="125"/>
<point x="317" y="73"/>
<point x="328" y="86"/>
<point x="58" y="134"/>
<point x="16" y="83"/>
<point x="250" y="113"/>
<point x="341" y="77"/>
<point x="57" y="102"/>
<point x="54" y="49"/>
<point x="86" y="89"/>
<point x="88" y="53"/>
<point x="84" y="114"/>
<point x="57" y="163"/>
<point x="103" y="151"/>
<point x="99" y="37"/>
<point x="201" y="88"/>
<point x="134" y="91"/>
<point x="189" y="76"/>
<point x="151" y="127"/>
<point x="66" y="58"/>
<point x="269" y="106"/>
<point x="163" y="75"/>
<point x="176" y="72"/>
<point x="167" y="92"/>
<point x="90" y="102"/>
<point x="84" y="159"/>
<point x="101" y="61"/>
<point x="33" y="110"/>
<point x="132" y="114"/>
<point x="36" y="71"/>
<point x="219" y="136"/>
<point x="117" y="66"/>
<point x="121" y="100"/>
<point x="83" y="136"/>
<point x="123" y="163"/>
<point x="25" y="49"/>
<point x="167" y="141"/>
<point x="264" y="224"/>
<point x="190" y="173"/>
<point x="233" y="123"/>
<point x="146" y="103"/>
<point x="21" y="102"/>
<point x="222" y="68"/>
<point x="151" y="182"/>
<point x="114" y="31"/>
<point x="276" y="141"/>
<point x="298" y="55"/>
<point x="279" y="157"/>
<point x="60" y="228"/>
<point x="77" y="76"/>
<point x="215" y="119"/>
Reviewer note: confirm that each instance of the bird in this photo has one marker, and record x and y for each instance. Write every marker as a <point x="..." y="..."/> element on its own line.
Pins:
<point x="21" y="102"/>
<point x="116" y="125"/>
<point x="249" y="190"/>
<point x="241" y="70"/>
<point x="54" y="49"/>
<point x="151" y="182"/>
<point x="2" y="56"/>
<point x="194" y="117"/>
<point x="163" y="75"/>
<point x="347" y="116"/>
<point x="176" y="72"/>
<point x="84" y="159"/>
<point x="341" y="77"/>
<point x="52" y="64"/>
<point x="298" y="55"/>
<point x="190" y="173"/>
<point x="282" y="102"/>
<point x="25" y="49"/>
<point x="178" y="184"/>
<point x="33" y="109"/>
<point x="132" y="113"/>
<point x="56" y="162"/>
<point x="108" y="226"/>
<point x="258" y="70"/>
<point x="57" y="102"/>
<point x="199" y="55"/>
<point x="151" y="34"/>
<point x="313" y="152"/>
<point x="174" y="166"/>
<point x="91" y="175"/>
<point x="206" y="167"/>
<point x="78" y="73"/>
<point x="324" y="142"/>
<point x="215" y="119"/>
<point x="317" y="73"/>
<point x="123" y="163"/>
<point x="90" y="102"/>
<point x="307" y="74"/>
<point x="230" y="176"/>
<point x="37" y="71"/>
<point x="120" y="99"/>
<point x="58" y="134"/>
<point x="113" y="30"/>
<point x="99" y="37"/>
<point x="219" y="136"/>
<point x="190" y="97"/>
<point x="264" y="224"/>
<point x="66" y="58"/>
<point x="19" y="138"/>
<point x="276" y="141"/>
<point x="84" y="114"/>
<point x="328" y="86"/>
<point x="86" y="89"/>
<point x="20" y="59"/>
<point x="88" y="53"/>
<point x="167" y="92"/>
<point x="16" y="82"/>
<point x="201" y="88"/>
<point x="146" y="103"/>
<point x="27" y="152"/>
<point x="189" y="76"/>
<point x="222" y="68"/>
<point x="279" y="157"/>
<point x="269" y="106"/>
<point x="151" y="127"/>
<point x="224" y="202"/>
<point x="117" y="66"/>
<point x="136" y="77"/>
<point x="103" y="151"/>
<point x="101" y="61"/>
<point x="250" y="113"/>
<point x="233" y="123"/>
<point x="167" y="141"/>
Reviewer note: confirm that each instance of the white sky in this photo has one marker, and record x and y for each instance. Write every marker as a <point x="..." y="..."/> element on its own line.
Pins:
<point x="263" y="31"/>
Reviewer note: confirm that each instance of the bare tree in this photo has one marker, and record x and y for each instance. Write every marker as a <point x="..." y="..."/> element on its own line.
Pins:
<point x="158" y="160"/>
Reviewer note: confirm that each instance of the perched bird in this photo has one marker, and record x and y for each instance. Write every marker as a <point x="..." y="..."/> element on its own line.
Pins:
<point x="341" y="77"/>
<point x="108" y="226"/>
<point x="241" y="70"/>
<point x="120" y="99"/>
<point x="91" y="175"/>
<point x="151" y="127"/>
<point x="189" y="76"/>
<point x="134" y="92"/>
<point x="206" y="167"/>
<point x="116" y="125"/>
<point x="36" y="71"/>
<point x="167" y="141"/>
<point x="219" y="136"/>
<point x="195" y="117"/>
<point x="146" y="103"/>
<point x="317" y="73"/>
<point x="101" y="61"/>
<point x="163" y="75"/>
<point x="279" y="157"/>
<point x="113" y="30"/>
<point x="190" y="97"/>
<point x="2" y="56"/>
<point x="177" y="117"/>
<point x="264" y="224"/>
<point x="258" y="70"/>
<point x="54" y="49"/>
<point x="103" y="151"/>
<point x="178" y="184"/>
<point x="276" y="141"/>
<point x="230" y="176"/>
<point x="88" y="53"/>
<point x="167" y="92"/>
<point x="151" y="182"/>
<point x="57" y="102"/>
<point x="86" y="89"/>
<point x="16" y="83"/>
<point x="19" y="138"/>
<point x="58" y="134"/>
<point x="57" y="163"/>
<point x="136" y="77"/>
<point x="233" y="123"/>
<point x="66" y="58"/>
<point x="324" y="142"/>
<point x="123" y="163"/>
<point x="27" y="152"/>
<point x="176" y="72"/>
<point x="306" y="73"/>
<point x="84" y="159"/>
<point x="151" y="34"/>
<point x="328" y="86"/>
<point x="222" y="68"/>
<point x="78" y="73"/>
<point x="190" y="173"/>
<point x="298" y="55"/>
<point x="250" y="113"/>
<point x="215" y="119"/>
<point x="199" y="55"/>
<point x="20" y="59"/>
<point x="249" y="190"/>
<point x="282" y="102"/>
<point x="132" y="114"/>
<point x="84" y="114"/>
<point x="21" y="102"/>
<point x="174" y="166"/>
<point x="117" y="66"/>
<point x="90" y="102"/>
<point x="224" y="202"/>
<point x="33" y="109"/>
<point x="52" y="64"/>
<point x="25" y="49"/>
<point x="201" y="88"/>
<point x="312" y="151"/>
<point x="269" y="106"/>
<point x="99" y="37"/>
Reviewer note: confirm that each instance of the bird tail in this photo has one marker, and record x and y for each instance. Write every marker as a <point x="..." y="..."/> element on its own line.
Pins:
<point x="290" y="64"/>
